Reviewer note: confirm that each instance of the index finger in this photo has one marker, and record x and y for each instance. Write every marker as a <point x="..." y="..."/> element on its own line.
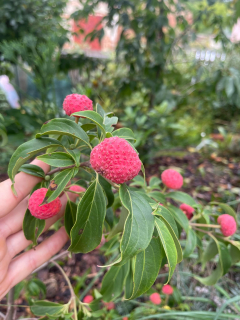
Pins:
<point x="23" y="185"/>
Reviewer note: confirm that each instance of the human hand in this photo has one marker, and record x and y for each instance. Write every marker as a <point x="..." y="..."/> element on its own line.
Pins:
<point x="13" y="267"/>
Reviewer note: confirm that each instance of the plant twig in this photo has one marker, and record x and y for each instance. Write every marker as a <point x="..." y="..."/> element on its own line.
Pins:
<point x="10" y="301"/>
<point x="200" y="230"/>
<point x="205" y="225"/>
<point x="73" y="296"/>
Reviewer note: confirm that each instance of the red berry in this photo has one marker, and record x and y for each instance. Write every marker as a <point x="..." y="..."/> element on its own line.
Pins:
<point x="45" y="211"/>
<point x="125" y="318"/>
<point x="155" y="298"/>
<point x="116" y="160"/>
<point x="167" y="289"/>
<point x="88" y="299"/>
<point x="188" y="210"/>
<point x="77" y="188"/>
<point x="110" y="305"/>
<point x="228" y="224"/>
<point x="172" y="179"/>
<point x="76" y="102"/>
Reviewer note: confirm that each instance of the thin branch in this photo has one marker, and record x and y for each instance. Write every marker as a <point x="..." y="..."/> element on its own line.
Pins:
<point x="59" y="169"/>
<point x="10" y="301"/>
<point x="200" y="230"/>
<point x="73" y="296"/>
<point x="205" y="225"/>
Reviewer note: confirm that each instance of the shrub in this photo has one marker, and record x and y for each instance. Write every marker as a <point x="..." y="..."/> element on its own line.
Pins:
<point x="146" y="236"/>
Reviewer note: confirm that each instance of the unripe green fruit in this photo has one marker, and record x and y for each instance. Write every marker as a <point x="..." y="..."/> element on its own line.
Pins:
<point x="47" y="178"/>
<point x="72" y="146"/>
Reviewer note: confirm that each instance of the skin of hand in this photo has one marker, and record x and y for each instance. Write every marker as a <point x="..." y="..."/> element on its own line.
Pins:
<point x="15" y="267"/>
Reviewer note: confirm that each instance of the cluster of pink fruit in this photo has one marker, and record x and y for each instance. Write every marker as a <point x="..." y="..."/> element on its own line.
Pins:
<point x="174" y="180"/>
<point x="156" y="298"/>
<point x="116" y="160"/>
<point x="109" y="305"/>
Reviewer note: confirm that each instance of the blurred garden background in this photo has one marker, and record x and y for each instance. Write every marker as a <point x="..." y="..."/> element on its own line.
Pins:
<point x="170" y="71"/>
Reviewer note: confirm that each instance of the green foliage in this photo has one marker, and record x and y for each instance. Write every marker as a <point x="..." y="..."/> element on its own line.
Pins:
<point x="159" y="89"/>
<point x="165" y="103"/>
<point x="87" y="232"/>
<point x="42" y="58"/>
<point x="143" y="237"/>
<point x="32" y="227"/>
<point x="36" y="17"/>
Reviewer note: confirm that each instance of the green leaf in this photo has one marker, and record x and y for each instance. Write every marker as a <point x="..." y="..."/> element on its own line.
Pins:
<point x="64" y="127"/>
<point x="109" y="122"/>
<point x="32" y="227"/>
<point x="154" y="182"/>
<point x="138" y="181"/>
<point x="109" y="217"/>
<point x="158" y="196"/>
<point x="114" y="281"/>
<point x="129" y="281"/>
<point x="223" y="265"/>
<point x="70" y="216"/>
<point x="168" y="216"/>
<point x="107" y="188"/>
<point x="36" y="287"/>
<point x="229" y="86"/>
<point x="169" y="223"/>
<point x="181" y="197"/>
<point x="75" y="154"/>
<point x="93" y="116"/>
<point x="100" y="110"/>
<point x="237" y="9"/>
<point x="58" y="183"/>
<point x="120" y="225"/>
<point x="180" y="217"/>
<point x="26" y="151"/>
<point x="234" y="251"/>
<point x="43" y="308"/>
<point x="33" y="170"/>
<point x="146" y="267"/>
<point x="88" y="126"/>
<point x="124" y="133"/>
<point x="209" y="253"/>
<point x="139" y="225"/>
<point x="86" y="234"/>
<point x="57" y="159"/>
<point x="227" y="209"/>
<point x="168" y="246"/>
<point x="191" y="243"/>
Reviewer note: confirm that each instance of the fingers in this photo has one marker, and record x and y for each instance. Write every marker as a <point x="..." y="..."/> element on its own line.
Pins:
<point x="12" y="222"/>
<point x="17" y="242"/>
<point x="23" y="185"/>
<point x="26" y="263"/>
